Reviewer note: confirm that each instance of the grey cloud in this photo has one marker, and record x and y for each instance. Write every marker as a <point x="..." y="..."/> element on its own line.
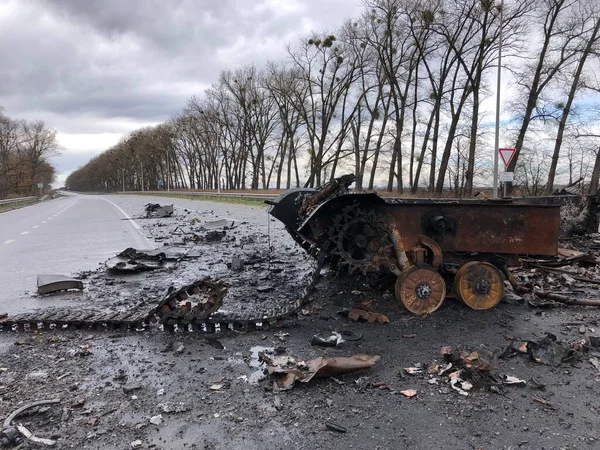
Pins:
<point x="106" y="65"/>
<point x="70" y="162"/>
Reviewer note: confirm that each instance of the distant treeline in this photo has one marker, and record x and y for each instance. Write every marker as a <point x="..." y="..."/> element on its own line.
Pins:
<point x="25" y="149"/>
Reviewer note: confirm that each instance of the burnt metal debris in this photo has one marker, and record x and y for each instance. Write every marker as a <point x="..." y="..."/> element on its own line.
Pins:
<point x="192" y="308"/>
<point x="158" y="210"/>
<point x="184" y="309"/>
<point x="435" y="247"/>
<point x="286" y="370"/>
<point x="47" y="284"/>
<point x="132" y="260"/>
<point x="10" y="435"/>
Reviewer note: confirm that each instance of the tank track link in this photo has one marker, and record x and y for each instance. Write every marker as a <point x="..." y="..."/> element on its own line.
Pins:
<point x="193" y="308"/>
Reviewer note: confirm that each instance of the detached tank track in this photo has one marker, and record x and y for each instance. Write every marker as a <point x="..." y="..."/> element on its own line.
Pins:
<point x="177" y="312"/>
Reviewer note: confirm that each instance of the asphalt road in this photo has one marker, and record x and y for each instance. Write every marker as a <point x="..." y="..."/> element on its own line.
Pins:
<point x="59" y="236"/>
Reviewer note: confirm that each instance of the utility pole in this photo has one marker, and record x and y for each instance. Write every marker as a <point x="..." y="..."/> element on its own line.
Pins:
<point x="218" y="175"/>
<point x="168" y="175"/>
<point x="497" y="139"/>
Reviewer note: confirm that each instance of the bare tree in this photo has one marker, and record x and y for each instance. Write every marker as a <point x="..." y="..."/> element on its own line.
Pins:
<point x="327" y="70"/>
<point x="286" y="87"/>
<point x="589" y="35"/>
<point x="546" y="61"/>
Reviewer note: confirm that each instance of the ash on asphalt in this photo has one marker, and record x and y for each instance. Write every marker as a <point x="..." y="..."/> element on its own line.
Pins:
<point x="203" y="393"/>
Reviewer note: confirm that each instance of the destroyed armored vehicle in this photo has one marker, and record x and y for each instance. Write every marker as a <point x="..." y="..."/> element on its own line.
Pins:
<point x="435" y="247"/>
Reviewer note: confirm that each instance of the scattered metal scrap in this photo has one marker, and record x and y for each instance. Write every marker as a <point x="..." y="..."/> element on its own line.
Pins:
<point x="132" y="260"/>
<point x="213" y="231"/>
<point x="214" y="236"/>
<point x="327" y="339"/>
<point x="356" y="314"/>
<point x="158" y="210"/>
<point x="465" y="369"/>
<point x="564" y="257"/>
<point x="335" y="426"/>
<point x="545" y="351"/>
<point x="185" y="309"/>
<point x="9" y="435"/>
<point x="569" y="266"/>
<point x="54" y="283"/>
<point x="567" y="300"/>
<point x="286" y="370"/>
<point x="433" y="246"/>
<point x="221" y="224"/>
<point x="173" y="313"/>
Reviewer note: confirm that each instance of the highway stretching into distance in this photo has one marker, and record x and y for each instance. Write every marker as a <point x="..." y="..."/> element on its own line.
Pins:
<point x="79" y="232"/>
<point x="60" y="236"/>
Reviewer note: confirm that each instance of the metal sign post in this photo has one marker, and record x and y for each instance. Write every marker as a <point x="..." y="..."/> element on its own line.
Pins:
<point x="506" y="154"/>
<point x="498" y="81"/>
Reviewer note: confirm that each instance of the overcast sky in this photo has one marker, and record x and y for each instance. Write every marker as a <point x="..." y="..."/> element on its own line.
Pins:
<point x="97" y="69"/>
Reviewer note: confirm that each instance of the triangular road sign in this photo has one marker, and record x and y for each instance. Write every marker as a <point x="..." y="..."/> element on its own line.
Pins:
<point x="507" y="155"/>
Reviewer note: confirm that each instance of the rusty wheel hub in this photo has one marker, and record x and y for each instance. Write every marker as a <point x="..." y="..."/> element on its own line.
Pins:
<point x="479" y="285"/>
<point x="421" y="289"/>
<point x="482" y="286"/>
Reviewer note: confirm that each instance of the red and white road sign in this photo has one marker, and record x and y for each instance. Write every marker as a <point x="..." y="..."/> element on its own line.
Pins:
<point x="507" y="155"/>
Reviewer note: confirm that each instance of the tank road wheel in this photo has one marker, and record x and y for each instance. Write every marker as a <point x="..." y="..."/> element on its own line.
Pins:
<point x="479" y="285"/>
<point x="421" y="289"/>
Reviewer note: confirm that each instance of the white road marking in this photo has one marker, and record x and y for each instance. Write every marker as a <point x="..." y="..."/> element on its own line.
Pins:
<point x="9" y="241"/>
<point x="43" y="221"/>
<point x="132" y="222"/>
<point x="49" y="218"/>
<point x="35" y="226"/>
<point x="76" y="200"/>
<point x="24" y="232"/>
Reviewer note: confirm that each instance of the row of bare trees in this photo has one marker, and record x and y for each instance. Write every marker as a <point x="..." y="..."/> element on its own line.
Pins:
<point x="25" y="152"/>
<point x="399" y="95"/>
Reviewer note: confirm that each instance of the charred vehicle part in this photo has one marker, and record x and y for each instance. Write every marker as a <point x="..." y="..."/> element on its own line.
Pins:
<point x="158" y="210"/>
<point x="435" y="247"/>
<point x="185" y="308"/>
<point x="191" y="308"/>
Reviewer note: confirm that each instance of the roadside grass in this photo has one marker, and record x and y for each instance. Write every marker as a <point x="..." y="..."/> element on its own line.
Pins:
<point x="11" y="206"/>
<point x="202" y="198"/>
<point x="421" y="193"/>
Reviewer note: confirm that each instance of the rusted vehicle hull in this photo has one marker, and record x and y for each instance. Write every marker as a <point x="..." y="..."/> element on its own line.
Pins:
<point x="427" y="243"/>
<point x="480" y="227"/>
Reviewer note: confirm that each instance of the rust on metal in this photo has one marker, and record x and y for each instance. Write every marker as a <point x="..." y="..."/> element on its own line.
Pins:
<point x="423" y="242"/>
<point x="421" y="289"/>
<point x="401" y="257"/>
<point x="479" y="285"/>
<point x="480" y="226"/>
<point x="431" y="249"/>
<point x="334" y="187"/>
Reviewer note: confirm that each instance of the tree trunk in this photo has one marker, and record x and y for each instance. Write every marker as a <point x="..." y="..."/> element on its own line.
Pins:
<point x="563" y="119"/>
<point x="595" y="175"/>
